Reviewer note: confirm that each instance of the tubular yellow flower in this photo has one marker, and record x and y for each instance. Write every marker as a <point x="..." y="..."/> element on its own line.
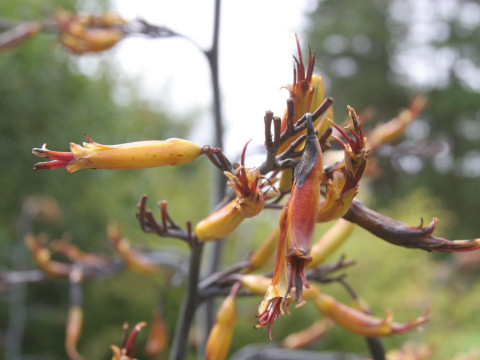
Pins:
<point x="220" y="336"/>
<point x="264" y="252"/>
<point x="330" y="241"/>
<point x="360" y="323"/>
<point x="135" y="155"/>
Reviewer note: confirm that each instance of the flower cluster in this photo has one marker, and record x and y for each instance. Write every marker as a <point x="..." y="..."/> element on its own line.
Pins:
<point x="318" y="190"/>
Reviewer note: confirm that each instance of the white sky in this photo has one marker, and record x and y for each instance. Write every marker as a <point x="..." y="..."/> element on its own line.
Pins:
<point x="256" y="47"/>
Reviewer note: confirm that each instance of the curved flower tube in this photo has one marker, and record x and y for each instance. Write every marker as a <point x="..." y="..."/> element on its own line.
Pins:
<point x="135" y="155"/>
<point x="361" y="323"/>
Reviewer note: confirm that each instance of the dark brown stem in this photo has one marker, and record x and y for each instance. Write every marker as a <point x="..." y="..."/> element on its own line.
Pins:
<point x="189" y="305"/>
<point x="398" y="233"/>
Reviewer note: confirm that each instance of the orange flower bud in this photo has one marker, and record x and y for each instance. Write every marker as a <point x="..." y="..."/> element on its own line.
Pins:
<point x="136" y="155"/>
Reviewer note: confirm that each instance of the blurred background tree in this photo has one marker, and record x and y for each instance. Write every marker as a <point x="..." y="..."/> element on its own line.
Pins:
<point x="376" y="55"/>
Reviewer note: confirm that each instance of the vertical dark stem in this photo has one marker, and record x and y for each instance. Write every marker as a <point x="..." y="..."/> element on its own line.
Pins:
<point x="214" y="250"/>
<point x="376" y="348"/>
<point x="189" y="304"/>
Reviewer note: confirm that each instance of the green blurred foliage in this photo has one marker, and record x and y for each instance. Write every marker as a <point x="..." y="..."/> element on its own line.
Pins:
<point x="378" y="54"/>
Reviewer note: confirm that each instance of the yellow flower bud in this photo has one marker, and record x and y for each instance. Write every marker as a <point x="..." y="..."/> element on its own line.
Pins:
<point x="330" y="241"/>
<point x="220" y="223"/>
<point x="220" y="336"/>
<point x="135" y="155"/>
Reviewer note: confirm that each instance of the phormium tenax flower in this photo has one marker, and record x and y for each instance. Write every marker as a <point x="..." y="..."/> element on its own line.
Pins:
<point x="134" y="155"/>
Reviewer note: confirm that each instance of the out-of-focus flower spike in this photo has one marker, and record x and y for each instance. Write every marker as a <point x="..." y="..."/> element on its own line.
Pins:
<point x="391" y="130"/>
<point x="75" y="254"/>
<point x="264" y="252"/>
<point x="133" y="259"/>
<point x="307" y="336"/>
<point x="157" y="341"/>
<point x="219" y="223"/>
<point x="363" y="324"/>
<point x="220" y="336"/>
<point x="86" y="33"/>
<point x="330" y="241"/>
<point x="135" y="155"/>
<point x="13" y="37"/>
<point x="43" y="257"/>
<point x="74" y="329"/>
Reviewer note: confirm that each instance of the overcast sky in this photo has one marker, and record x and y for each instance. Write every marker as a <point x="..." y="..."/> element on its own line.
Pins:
<point x="256" y="47"/>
